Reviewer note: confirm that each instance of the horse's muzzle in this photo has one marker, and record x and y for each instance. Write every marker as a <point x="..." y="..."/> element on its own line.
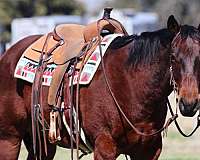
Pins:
<point x="189" y="109"/>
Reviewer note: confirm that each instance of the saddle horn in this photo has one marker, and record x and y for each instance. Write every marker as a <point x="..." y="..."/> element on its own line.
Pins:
<point x="107" y="12"/>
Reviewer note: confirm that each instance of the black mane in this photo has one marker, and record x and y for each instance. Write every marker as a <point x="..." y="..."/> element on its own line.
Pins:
<point x="189" y="31"/>
<point x="147" y="45"/>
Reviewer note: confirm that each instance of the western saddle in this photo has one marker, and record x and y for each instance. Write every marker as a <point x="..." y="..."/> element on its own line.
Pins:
<point x="66" y="42"/>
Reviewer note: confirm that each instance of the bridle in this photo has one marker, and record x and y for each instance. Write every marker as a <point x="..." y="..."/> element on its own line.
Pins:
<point x="176" y="94"/>
<point x="175" y="90"/>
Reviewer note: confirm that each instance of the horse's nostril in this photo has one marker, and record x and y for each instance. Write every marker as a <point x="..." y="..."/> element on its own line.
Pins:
<point x="186" y="103"/>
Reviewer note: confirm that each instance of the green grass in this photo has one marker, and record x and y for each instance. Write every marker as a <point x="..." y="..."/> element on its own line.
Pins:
<point x="175" y="147"/>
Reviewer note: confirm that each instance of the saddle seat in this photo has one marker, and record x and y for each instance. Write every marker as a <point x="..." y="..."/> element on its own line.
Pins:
<point x="73" y="41"/>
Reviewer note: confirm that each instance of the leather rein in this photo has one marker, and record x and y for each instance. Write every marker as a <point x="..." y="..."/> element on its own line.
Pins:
<point x="169" y="121"/>
<point x="37" y="112"/>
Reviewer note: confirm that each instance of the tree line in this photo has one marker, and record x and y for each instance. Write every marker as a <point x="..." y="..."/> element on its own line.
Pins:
<point x="10" y="9"/>
<point x="186" y="11"/>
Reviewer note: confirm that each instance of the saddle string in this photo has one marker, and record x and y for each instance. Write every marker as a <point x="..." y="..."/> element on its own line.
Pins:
<point x="72" y="139"/>
<point x="36" y="99"/>
<point x="77" y="127"/>
<point x="175" y="90"/>
<point x="71" y="112"/>
<point x="170" y="120"/>
<point x="83" y="52"/>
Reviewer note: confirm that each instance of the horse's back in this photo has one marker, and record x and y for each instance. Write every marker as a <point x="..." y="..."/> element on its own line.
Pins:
<point x="11" y="56"/>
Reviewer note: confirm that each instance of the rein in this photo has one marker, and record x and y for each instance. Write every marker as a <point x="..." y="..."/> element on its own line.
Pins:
<point x="170" y="120"/>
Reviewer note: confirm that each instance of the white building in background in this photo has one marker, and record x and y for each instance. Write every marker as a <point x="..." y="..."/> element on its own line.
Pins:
<point x="134" y="22"/>
<point x="22" y="27"/>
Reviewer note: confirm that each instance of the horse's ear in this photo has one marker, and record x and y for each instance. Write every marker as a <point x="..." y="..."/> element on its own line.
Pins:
<point x="173" y="25"/>
<point x="199" y="27"/>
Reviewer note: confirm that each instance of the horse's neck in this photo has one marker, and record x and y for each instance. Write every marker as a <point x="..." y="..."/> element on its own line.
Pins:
<point x="151" y="81"/>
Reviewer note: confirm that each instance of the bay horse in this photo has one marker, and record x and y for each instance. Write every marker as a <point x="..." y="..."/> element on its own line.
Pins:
<point x="139" y="77"/>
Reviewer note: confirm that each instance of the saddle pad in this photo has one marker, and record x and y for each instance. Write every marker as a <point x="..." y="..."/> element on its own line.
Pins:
<point x="26" y="68"/>
<point x="93" y="62"/>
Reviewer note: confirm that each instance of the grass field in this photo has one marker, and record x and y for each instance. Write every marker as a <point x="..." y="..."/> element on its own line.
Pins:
<point x="175" y="147"/>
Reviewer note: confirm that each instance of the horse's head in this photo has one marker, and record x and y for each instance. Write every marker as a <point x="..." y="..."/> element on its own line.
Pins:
<point x="186" y="65"/>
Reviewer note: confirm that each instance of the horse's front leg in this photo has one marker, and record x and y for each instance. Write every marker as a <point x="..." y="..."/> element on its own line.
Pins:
<point x="149" y="151"/>
<point x="105" y="147"/>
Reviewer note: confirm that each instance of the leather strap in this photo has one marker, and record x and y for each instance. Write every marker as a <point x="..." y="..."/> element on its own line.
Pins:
<point x="37" y="111"/>
<point x="178" y="126"/>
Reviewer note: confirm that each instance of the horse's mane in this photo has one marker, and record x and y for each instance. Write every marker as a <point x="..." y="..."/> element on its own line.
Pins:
<point x="148" y="45"/>
<point x="190" y="31"/>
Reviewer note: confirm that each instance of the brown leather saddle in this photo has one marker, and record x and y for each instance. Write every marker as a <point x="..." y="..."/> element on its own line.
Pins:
<point x="73" y="37"/>
<point x="64" y="43"/>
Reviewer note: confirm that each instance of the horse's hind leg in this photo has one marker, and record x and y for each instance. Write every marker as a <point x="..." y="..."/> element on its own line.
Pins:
<point x="29" y="146"/>
<point x="9" y="148"/>
<point x="105" y="148"/>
